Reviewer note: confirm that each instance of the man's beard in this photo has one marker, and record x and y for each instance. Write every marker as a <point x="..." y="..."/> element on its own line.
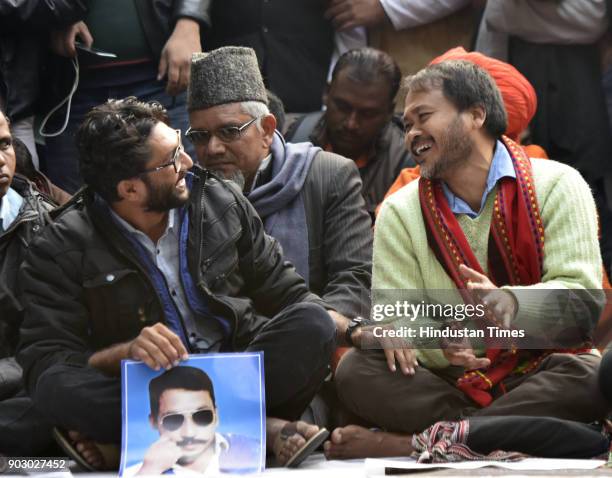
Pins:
<point x="163" y="198"/>
<point x="235" y="176"/>
<point x="454" y="146"/>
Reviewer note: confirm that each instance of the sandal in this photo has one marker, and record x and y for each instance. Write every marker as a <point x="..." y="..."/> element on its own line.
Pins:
<point x="306" y="450"/>
<point x="110" y="453"/>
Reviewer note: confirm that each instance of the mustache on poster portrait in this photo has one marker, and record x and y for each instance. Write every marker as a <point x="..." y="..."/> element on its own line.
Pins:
<point x="190" y="441"/>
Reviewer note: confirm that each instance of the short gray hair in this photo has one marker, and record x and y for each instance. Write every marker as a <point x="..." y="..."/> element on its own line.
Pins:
<point x="255" y="109"/>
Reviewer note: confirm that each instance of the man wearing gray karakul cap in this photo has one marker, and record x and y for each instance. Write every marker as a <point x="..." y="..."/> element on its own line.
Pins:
<point x="309" y="200"/>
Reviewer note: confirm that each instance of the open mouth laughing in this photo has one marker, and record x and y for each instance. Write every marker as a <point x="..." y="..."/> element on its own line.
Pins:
<point x="420" y="147"/>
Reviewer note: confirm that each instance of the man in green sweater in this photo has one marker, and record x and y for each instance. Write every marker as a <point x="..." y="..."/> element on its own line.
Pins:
<point x="515" y="238"/>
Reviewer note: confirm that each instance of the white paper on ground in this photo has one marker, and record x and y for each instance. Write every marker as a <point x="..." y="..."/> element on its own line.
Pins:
<point x="529" y="464"/>
<point x="315" y="466"/>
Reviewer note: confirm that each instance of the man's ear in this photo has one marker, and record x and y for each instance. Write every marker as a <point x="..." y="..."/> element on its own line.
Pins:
<point x="268" y="124"/>
<point x="478" y="115"/>
<point x="128" y="190"/>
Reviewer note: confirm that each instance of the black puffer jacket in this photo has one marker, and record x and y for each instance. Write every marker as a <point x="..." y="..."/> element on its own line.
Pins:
<point x="33" y="216"/>
<point x="85" y="290"/>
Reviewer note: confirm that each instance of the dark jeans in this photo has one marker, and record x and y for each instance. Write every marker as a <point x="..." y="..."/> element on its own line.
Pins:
<point x="297" y="345"/>
<point x="61" y="163"/>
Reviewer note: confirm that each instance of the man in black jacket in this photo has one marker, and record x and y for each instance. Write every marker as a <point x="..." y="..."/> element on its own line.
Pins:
<point x="23" y="214"/>
<point x="153" y="42"/>
<point x="152" y="263"/>
<point x="24" y="32"/>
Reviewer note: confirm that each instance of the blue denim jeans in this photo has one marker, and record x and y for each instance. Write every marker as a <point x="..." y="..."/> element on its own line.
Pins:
<point x="62" y="165"/>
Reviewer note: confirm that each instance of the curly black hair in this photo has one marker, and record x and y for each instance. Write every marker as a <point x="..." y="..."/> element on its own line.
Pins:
<point x="113" y="142"/>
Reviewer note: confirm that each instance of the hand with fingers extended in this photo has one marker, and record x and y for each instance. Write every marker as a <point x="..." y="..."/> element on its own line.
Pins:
<point x="347" y="14"/>
<point x="461" y="353"/>
<point x="405" y="358"/>
<point x="175" y="61"/>
<point x="63" y="41"/>
<point x="158" y="347"/>
<point x="397" y="350"/>
<point x="500" y="303"/>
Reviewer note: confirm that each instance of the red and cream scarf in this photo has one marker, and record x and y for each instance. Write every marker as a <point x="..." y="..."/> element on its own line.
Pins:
<point x="515" y="254"/>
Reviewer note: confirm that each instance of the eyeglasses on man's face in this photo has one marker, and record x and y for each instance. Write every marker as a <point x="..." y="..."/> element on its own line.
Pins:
<point x="226" y="134"/>
<point x="174" y="421"/>
<point x="176" y="157"/>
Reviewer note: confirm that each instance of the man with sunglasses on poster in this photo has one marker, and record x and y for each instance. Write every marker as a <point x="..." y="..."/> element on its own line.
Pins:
<point x="152" y="262"/>
<point x="189" y="440"/>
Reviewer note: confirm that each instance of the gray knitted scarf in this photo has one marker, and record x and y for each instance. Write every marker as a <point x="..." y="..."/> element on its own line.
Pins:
<point x="280" y="204"/>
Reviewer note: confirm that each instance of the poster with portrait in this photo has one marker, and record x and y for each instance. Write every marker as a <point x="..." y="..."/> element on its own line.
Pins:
<point x="204" y="417"/>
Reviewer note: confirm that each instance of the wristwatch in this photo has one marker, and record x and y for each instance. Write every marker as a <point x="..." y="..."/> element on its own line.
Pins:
<point x="354" y="323"/>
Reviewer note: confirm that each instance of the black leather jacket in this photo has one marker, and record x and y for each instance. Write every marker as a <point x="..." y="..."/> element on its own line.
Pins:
<point x="24" y="30"/>
<point x="85" y="290"/>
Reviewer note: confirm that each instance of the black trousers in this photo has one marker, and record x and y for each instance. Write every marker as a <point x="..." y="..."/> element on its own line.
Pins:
<point x="23" y="430"/>
<point x="297" y="345"/>
<point x="605" y="377"/>
<point x="545" y="437"/>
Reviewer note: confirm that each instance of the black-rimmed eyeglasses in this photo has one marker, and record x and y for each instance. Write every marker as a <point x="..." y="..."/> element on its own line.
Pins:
<point x="176" y="157"/>
<point x="226" y="134"/>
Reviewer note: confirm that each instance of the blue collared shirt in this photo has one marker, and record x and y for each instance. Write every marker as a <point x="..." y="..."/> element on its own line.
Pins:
<point x="165" y="255"/>
<point x="10" y="204"/>
<point x="501" y="167"/>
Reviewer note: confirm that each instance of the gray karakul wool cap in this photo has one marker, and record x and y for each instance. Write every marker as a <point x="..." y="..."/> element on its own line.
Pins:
<point x="226" y="75"/>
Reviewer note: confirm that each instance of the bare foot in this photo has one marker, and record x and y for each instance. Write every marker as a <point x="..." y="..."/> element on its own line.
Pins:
<point x="88" y="450"/>
<point x="354" y="441"/>
<point x="286" y="438"/>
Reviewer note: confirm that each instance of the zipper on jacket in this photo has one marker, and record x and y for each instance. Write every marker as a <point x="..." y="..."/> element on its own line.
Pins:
<point x="201" y="282"/>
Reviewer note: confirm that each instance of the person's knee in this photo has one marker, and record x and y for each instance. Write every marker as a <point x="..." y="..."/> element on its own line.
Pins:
<point x="581" y="364"/>
<point x="314" y="323"/>
<point x="65" y="395"/>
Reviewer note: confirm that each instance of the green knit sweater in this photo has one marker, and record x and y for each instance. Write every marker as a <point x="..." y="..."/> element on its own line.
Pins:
<point x="404" y="261"/>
